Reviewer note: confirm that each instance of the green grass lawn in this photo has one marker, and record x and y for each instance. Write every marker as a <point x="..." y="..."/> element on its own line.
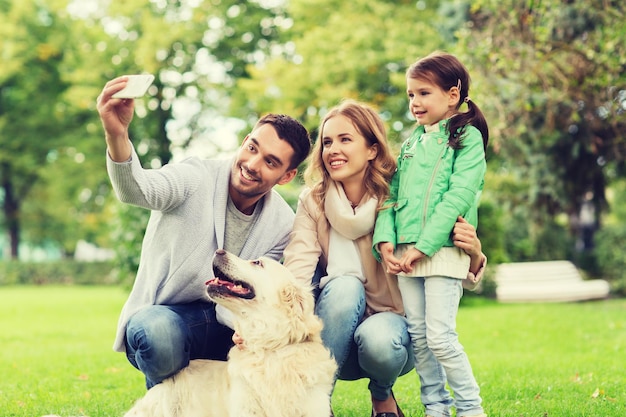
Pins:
<point x="544" y="360"/>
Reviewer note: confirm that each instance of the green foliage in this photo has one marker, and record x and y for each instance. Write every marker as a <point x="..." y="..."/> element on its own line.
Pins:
<point x="616" y="198"/>
<point x="197" y="51"/>
<point x="524" y="242"/>
<point x="509" y="232"/>
<point x="49" y="132"/>
<point x="492" y="232"/>
<point x="609" y="252"/>
<point x="550" y="77"/>
<point x="57" y="272"/>
<point x="31" y="119"/>
<point x="129" y="228"/>
<point x="71" y="199"/>
<point x="58" y="59"/>
<point x="554" y="242"/>
<point x="338" y="50"/>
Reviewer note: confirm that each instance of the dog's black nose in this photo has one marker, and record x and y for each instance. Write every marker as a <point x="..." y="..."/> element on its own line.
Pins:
<point x="220" y="252"/>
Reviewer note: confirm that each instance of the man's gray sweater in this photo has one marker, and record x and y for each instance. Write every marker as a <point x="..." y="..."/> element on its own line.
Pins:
<point x="188" y="203"/>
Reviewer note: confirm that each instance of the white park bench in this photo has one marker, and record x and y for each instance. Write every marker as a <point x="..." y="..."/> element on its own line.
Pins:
<point x="548" y="281"/>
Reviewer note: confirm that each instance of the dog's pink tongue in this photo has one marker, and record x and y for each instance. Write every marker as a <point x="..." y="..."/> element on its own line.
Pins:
<point x="237" y="289"/>
<point x="216" y="282"/>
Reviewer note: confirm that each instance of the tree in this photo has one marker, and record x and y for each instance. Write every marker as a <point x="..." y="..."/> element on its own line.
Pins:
<point x="196" y="50"/>
<point x="31" y="119"/>
<point x="59" y="54"/>
<point x="552" y="76"/>
<point x="335" y="50"/>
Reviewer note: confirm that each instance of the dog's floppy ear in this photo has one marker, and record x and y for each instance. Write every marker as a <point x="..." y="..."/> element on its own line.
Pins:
<point x="305" y="325"/>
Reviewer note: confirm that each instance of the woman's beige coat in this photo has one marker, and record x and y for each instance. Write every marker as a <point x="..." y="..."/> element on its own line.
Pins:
<point x="308" y="245"/>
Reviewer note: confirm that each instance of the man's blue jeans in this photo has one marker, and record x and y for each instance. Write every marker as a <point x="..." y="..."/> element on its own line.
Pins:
<point x="377" y="347"/>
<point x="162" y="339"/>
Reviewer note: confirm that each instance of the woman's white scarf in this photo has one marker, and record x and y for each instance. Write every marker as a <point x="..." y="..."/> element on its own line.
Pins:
<point x="351" y="223"/>
<point x="347" y="225"/>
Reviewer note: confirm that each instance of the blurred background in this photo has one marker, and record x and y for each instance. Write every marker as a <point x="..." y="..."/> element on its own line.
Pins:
<point x="550" y="76"/>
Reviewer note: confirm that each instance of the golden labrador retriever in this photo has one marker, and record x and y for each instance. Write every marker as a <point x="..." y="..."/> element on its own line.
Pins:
<point x="282" y="370"/>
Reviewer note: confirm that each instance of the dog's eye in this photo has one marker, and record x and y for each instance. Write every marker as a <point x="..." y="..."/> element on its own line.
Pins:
<point x="257" y="262"/>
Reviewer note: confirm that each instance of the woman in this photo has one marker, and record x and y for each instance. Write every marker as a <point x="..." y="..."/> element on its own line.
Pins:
<point x="348" y="178"/>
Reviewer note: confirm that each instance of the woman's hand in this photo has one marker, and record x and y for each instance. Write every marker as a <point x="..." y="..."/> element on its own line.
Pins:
<point x="464" y="237"/>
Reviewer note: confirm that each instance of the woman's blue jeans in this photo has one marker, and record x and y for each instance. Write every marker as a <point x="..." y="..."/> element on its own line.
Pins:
<point x="377" y="347"/>
<point x="162" y="339"/>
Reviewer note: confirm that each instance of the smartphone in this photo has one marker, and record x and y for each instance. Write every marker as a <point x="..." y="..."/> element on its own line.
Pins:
<point x="136" y="86"/>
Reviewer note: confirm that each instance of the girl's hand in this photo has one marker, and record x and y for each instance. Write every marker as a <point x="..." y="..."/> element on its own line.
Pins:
<point x="410" y="258"/>
<point x="392" y="264"/>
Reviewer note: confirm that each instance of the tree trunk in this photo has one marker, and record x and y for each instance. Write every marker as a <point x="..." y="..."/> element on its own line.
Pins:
<point x="11" y="208"/>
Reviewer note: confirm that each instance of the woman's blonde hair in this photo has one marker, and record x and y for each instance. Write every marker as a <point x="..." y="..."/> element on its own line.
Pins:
<point x="380" y="169"/>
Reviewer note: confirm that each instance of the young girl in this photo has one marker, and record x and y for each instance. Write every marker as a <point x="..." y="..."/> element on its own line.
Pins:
<point x="440" y="175"/>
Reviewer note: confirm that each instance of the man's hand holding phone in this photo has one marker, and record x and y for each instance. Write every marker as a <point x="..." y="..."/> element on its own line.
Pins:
<point x="116" y="108"/>
<point x="136" y="86"/>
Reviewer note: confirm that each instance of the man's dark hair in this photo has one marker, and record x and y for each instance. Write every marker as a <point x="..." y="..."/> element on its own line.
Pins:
<point x="291" y="131"/>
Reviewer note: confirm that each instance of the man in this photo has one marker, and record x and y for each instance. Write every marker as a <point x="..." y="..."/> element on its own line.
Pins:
<point x="198" y="206"/>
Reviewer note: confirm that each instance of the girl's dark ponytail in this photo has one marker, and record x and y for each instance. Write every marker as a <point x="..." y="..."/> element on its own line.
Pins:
<point x="473" y="117"/>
